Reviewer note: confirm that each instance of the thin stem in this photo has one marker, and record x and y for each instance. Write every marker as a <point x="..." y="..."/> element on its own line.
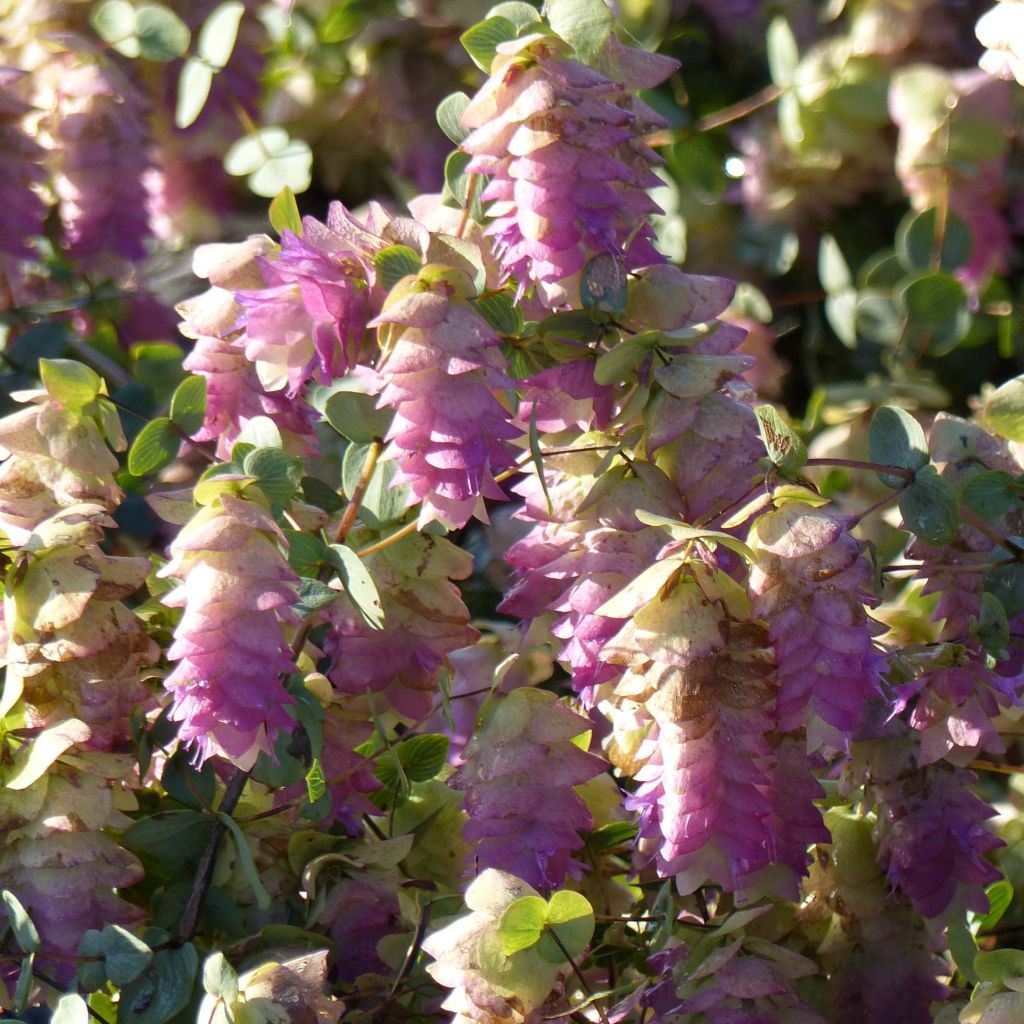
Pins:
<point x="356" y="501"/>
<point x="579" y="975"/>
<point x="924" y="569"/>
<point x="470" y="192"/>
<point x="872" y="467"/>
<point x="388" y="541"/>
<point x="414" y="951"/>
<point x="204" y="869"/>
<point x="992" y="533"/>
<point x="888" y="499"/>
<point x="62" y="990"/>
<point x="104" y="365"/>
<point x="769" y="94"/>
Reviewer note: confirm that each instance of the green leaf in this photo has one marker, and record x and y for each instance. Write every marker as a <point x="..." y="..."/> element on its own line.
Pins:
<point x="833" y="272"/>
<point x="481" y="42"/>
<point x="277" y="473"/>
<point x="785" y="449"/>
<point x="1000" y="896"/>
<point x="449" y="116"/>
<point x="783" y="53"/>
<point x="91" y="974"/>
<point x="396" y="262"/>
<point x="163" y="989"/>
<point x="1004" y="410"/>
<point x="191" y="786"/>
<point x="305" y="552"/>
<point x="895" y="438"/>
<point x="537" y="456"/>
<point x="114" y="22"/>
<point x="841" y="311"/>
<point x="70" y="1009"/>
<point x="316" y="492"/>
<point x="155" y="447"/>
<point x="126" y="956"/>
<point x="1000" y="964"/>
<point x="25" y="984"/>
<point x="964" y="949"/>
<point x="316" y="783"/>
<point x="933" y="299"/>
<point x="423" y="756"/>
<point x="71" y="383"/>
<point x="609" y="836"/>
<point x="193" y="91"/>
<point x="188" y="404"/>
<point x="992" y="628"/>
<point x="501" y="312"/>
<point x="571" y="917"/>
<point x="930" y="509"/>
<point x="219" y="978"/>
<point x="693" y="376"/>
<point x="879" y="317"/>
<point x="272" y="161"/>
<point x="248" y="865"/>
<point x="603" y="284"/>
<point x="157" y="364"/>
<point x="584" y="24"/>
<point x="916" y="243"/>
<point x="25" y="933"/>
<point x="219" y="32"/>
<point x="619" y="362"/>
<point x="522" y="924"/>
<point x="162" y="35"/>
<point x="312" y="596"/>
<point x="991" y="494"/>
<point x="358" y="584"/>
<point x="382" y="503"/>
<point x="284" y="213"/>
<point x="520" y="14"/>
<point x="456" y="185"/>
<point x="1007" y="584"/>
<point x="170" y="836"/>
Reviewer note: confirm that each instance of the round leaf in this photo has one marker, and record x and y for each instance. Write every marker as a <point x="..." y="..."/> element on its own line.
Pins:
<point x="930" y="509"/>
<point x="449" y="116"/>
<point x="571" y="918"/>
<point x="277" y="473"/>
<point x="1004" y="410"/>
<point x="188" y="404"/>
<point x="126" y="956"/>
<point x="162" y="990"/>
<point x="219" y="32"/>
<point x="162" y="35"/>
<point x="292" y="168"/>
<point x="897" y="439"/>
<point x="933" y="300"/>
<point x="522" y="924"/>
<point x="71" y="383"/>
<point x="358" y="583"/>
<point x="916" y="243"/>
<point x="193" y="91"/>
<point x="481" y="42"/>
<point x="155" y="447"/>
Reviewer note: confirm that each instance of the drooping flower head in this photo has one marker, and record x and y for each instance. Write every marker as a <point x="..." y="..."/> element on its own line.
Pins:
<point x="236" y="591"/>
<point x="514" y="824"/>
<point x="440" y="369"/>
<point x="307" y="320"/>
<point x="561" y="145"/>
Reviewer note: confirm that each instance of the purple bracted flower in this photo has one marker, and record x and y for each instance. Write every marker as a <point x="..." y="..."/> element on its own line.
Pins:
<point x="23" y="211"/>
<point x="99" y="149"/>
<point x="236" y="590"/>
<point x="234" y="392"/>
<point x="441" y="365"/>
<point x="808" y="584"/>
<point x="516" y="825"/>
<point x="308" y="318"/>
<point x="561" y="145"/>
<point x="424" y="621"/>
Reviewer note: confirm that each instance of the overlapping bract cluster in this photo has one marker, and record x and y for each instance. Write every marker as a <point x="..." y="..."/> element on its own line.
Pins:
<point x="425" y="620"/>
<point x="75" y="650"/>
<point x="23" y="213"/>
<point x="215" y="322"/>
<point x="54" y="455"/>
<point x="307" y="319"/>
<point x="62" y="866"/>
<point x="810" y="585"/>
<point x="440" y="368"/>
<point x="561" y="144"/>
<point x="488" y="987"/>
<point x="956" y="694"/>
<point x="100" y="143"/>
<point x="880" y="956"/>
<point x="932" y="839"/>
<point x="236" y="590"/>
<point x="515" y="825"/>
<point x="707" y="684"/>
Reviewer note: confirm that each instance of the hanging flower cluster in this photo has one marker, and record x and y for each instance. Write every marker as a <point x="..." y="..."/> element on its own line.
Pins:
<point x="236" y="591"/>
